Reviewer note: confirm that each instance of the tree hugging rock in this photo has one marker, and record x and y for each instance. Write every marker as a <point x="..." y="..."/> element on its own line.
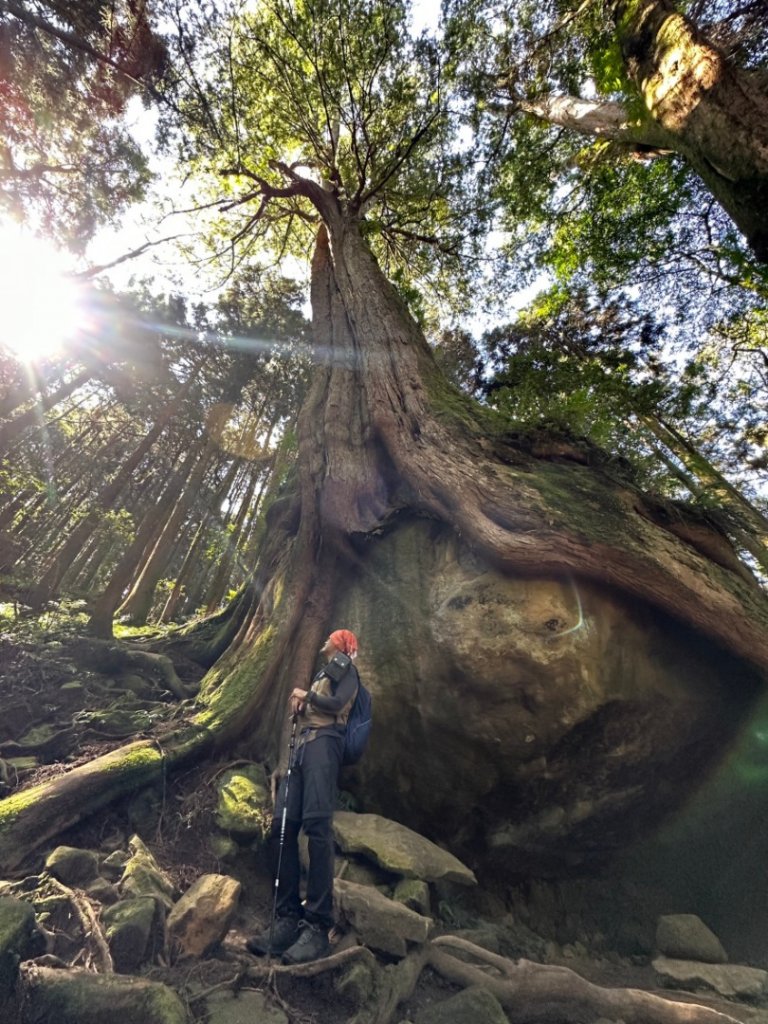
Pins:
<point x="398" y="849"/>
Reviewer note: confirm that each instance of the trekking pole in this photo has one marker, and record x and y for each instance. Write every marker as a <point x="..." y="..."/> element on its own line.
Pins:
<point x="292" y="747"/>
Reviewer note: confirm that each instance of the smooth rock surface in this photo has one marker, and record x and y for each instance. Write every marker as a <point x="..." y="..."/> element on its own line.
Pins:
<point x="398" y="849"/>
<point x="730" y="980"/>
<point x="686" y="937"/>
<point x="380" y="923"/>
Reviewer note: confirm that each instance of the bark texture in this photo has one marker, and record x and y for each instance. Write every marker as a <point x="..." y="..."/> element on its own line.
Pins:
<point x="713" y="113"/>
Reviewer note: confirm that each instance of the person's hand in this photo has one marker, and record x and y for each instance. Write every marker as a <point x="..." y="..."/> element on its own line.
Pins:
<point x="297" y="700"/>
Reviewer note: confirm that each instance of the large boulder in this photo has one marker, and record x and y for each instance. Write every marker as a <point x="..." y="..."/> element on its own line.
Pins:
<point x="201" y="918"/>
<point x="686" y="937"/>
<point x="729" y="980"/>
<point x="398" y="849"/>
<point x="380" y="923"/>
<point x="533" y="724"/>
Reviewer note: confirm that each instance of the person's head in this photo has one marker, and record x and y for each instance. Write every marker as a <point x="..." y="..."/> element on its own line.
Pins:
<point x="340" y="640"/>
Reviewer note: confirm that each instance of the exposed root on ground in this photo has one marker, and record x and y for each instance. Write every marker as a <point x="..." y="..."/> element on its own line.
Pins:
<point x="530" y="993"/>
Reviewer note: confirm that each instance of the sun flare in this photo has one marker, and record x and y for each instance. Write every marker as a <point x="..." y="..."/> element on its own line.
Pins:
<point x="41" y="306"/>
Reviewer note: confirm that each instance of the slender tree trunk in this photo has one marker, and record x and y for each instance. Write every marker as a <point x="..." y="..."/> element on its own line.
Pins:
<point x="137" y="604"/>
<point x="100" y="622"/>
<point x="104" y="501"/>
<point x="185" y="572"/>
<point x="14" y="428"/>
<point x="221" y="578"/>
<point x="750" y="527"/>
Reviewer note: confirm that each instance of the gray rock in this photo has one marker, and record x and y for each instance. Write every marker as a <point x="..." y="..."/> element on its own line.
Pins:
<point x="729" y="980"/>
<point x="398" y="849"/>
<point x="19" y="938"/>
<point x="72" y="866"/>
<point x="142" y="876"/>
<point x="244" y="1008"/>
<point x="472" y="1006"/>
<point x="112" y="867"/>
<point x="128" y="926"/>
<point x="201" y="918"/>
<point x="414" y="894"/>
<point x="243" y="801"/>
<point x="380" y="923"/>
<point x="103" y="891"/>
<point x="79" y="997"/>
<point x="686" y="937"/>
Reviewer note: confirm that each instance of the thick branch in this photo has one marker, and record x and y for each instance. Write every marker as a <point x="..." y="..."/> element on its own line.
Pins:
<point x="606" y="120"/>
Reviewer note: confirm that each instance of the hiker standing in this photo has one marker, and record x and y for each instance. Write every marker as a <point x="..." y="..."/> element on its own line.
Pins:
<point x="301" y="933"/>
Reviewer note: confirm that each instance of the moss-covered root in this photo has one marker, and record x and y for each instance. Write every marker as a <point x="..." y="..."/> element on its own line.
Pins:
<point x="79" y="997"/>
<point x="30" y="817"/>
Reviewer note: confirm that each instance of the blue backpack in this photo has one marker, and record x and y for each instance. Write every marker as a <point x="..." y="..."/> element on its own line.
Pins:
<point x="358" y="726"/>
<point x="360" y="718"/>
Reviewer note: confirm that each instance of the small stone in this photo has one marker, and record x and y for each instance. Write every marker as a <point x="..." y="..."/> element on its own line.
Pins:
<point x="201" y="918"/>
<point x="72" y="866"/>
<point x="414" y="894"/>
<point x="222" y="847"/>
<point x="243" y="801"/>
<point x="112" y="867"/>
<point x="142" y="876"/>
<point x="103" y="891"/>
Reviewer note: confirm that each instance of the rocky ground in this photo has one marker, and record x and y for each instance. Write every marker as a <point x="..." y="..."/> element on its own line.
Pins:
<point x="142" y="912"/>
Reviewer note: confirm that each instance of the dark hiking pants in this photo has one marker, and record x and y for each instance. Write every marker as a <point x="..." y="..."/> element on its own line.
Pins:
<point x="311" y="803"/>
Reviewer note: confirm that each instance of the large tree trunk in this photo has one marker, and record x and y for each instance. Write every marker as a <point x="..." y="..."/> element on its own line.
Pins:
<point x="712" y="112"/>
<point x="382" y="434"/>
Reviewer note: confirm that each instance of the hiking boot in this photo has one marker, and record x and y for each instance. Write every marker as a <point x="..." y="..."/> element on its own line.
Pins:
<point x="285" y="933"/>
<point x="312" y="944"/>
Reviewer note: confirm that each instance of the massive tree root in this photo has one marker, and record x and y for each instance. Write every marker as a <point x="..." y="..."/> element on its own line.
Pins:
<point x="530" y="993"/>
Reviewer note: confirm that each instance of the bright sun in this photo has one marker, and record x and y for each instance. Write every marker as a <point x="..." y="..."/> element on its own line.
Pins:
<point x="39" y="306"/>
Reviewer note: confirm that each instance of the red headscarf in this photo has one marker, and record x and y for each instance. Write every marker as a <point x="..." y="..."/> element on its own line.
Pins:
<point x="345" y="641"/>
